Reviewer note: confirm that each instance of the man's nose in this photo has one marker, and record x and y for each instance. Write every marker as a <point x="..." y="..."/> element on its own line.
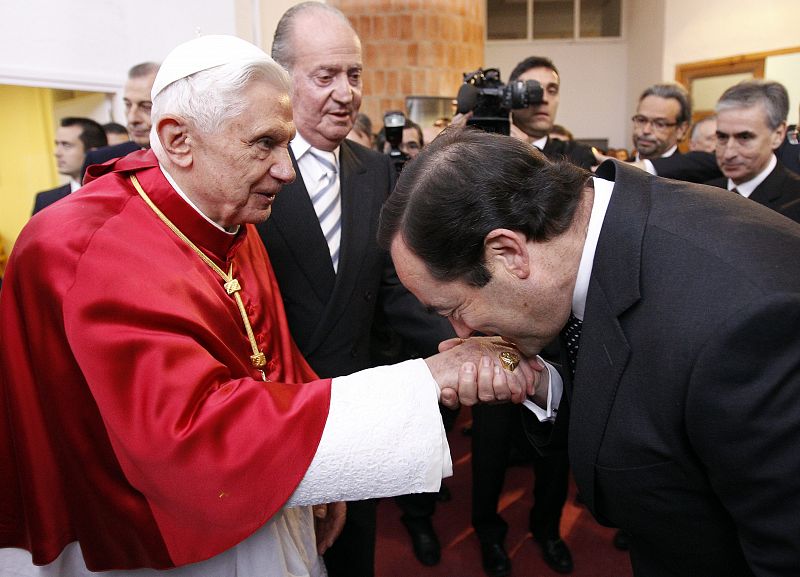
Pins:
<point x="729" y="149"/>
<point x="342" y="90"/>
<point x="282" y="169"/>
<point x="133" y="114"/>
<point x="462" y="330"/>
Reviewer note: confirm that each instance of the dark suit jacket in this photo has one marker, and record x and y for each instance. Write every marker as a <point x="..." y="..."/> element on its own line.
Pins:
<point x="48" y="197"/>
<point x="789" y="154"/>
<point x="331" y="315"/>
<point x="683" y="414"/>
<point x="106" y="153"/>
<point x="577" y="153"/>
<point x="780" y="191"/>
<point x="693" y="166"/>
<point x="699" y="167"/>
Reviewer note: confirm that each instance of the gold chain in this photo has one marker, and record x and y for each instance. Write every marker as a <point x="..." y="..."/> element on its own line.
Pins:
<point x="232" y="286"/>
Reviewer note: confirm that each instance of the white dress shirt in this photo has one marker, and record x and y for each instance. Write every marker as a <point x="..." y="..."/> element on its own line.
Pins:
<point x="747" y="188"/>
<point x="602" y="196"/>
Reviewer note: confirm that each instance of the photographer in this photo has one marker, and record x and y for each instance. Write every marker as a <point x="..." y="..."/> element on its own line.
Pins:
<point x="495" y="426"/>
<point x="400" y="138"/>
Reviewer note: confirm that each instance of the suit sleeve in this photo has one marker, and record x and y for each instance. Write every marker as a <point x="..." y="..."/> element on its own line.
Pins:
<point x="693" y="166"/>
<point x="742" y="420"/>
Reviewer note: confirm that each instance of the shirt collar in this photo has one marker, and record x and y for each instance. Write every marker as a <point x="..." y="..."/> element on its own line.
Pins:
<point x="540" y="143"/>
<point x="747" y="188"/>
<point x="182" y="194"/>
<point x="602" y="196"/>
<point x="74" y="185"/>
<point x="666" y="154"/>
<point x="300" y="146"/>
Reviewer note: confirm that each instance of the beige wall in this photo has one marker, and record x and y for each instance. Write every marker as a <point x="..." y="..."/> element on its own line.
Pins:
<point x="718" y="28"/>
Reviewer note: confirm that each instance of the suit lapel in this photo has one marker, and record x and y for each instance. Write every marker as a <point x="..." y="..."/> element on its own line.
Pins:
<point x="769" y="191"/>
<point x="356" y="226"/>
<point x="294" y="219"/>
<point x="604" y="347"/>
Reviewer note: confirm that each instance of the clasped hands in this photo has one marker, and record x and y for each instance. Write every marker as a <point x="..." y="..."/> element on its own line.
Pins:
<point x="484" y="369"/>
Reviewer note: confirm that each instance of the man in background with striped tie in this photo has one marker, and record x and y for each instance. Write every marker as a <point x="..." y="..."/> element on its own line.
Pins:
<point x="321" y="241"/>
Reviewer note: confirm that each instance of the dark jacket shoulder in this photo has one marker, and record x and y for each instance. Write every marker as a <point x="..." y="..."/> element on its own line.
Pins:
<point x="48" y="197"/>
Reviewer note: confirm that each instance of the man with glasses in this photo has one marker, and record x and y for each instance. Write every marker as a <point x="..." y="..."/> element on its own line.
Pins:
<point x="661" y="121"/>
<point x="751" y="125"/>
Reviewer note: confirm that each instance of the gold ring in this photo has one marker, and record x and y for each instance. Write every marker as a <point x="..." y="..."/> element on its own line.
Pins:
<point x="509" y="360"/>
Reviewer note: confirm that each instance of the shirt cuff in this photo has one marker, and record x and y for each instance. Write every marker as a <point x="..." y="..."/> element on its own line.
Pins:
<point x="554" y="393"/>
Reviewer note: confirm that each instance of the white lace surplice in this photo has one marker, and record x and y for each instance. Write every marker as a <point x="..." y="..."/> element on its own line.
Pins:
<point x="383" y="437"/>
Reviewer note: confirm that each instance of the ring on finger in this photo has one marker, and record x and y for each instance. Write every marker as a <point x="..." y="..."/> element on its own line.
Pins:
<point x="508" y="360"/>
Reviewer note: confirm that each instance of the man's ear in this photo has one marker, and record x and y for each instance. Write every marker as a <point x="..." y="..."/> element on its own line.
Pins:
<point x="682" y="131"/>
<point x="173" y="133"/>
<point x="507" y="249"/>
<point x="778" y="135"/>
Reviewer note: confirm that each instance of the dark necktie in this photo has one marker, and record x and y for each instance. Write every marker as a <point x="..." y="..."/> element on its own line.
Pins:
<point x="571" y="333"/>
<point x="735" y="190"/>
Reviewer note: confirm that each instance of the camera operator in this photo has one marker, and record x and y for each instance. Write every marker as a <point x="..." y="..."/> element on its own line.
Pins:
<point x="496" y="426"/>
<point x="533" y="124"/>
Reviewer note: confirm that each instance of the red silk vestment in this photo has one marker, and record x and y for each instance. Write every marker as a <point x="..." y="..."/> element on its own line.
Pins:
<point x="131" y="419"/>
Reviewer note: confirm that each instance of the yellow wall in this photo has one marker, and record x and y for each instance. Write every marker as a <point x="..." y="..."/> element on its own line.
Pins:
<point x="26" y="155"/>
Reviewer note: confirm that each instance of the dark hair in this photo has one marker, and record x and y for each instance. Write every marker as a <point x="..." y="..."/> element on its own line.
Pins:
<point x="363" y="124"/>
<point x="282" y="51"/>
<point x="411" y="124"/>
<point x="676" y="92"/>
<point x="92" y="134"/>
<point x="143" y="69"/>
<point x="531" y="62"/>
<point x="558" y="129"/>
<point x="749" y="92"/>
<point x="114" y="128"/>
<point x="467" y="183"/>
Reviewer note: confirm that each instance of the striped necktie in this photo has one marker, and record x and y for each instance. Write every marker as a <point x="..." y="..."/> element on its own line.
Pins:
<point x="327" y="203"/>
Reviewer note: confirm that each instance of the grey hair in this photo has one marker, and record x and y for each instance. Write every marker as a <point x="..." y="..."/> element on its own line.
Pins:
<point x="676" y="92"/>
<point x="144" y="69"/>
<point x="211" y="97"/>
<point x="282" y="50"/>
<point x="694" y="135"/>
<point x="750" y="92"/>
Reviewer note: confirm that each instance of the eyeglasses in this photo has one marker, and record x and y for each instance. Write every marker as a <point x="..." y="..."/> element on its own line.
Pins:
<point x="794" y="136"/>
<point x="640" y="121"/>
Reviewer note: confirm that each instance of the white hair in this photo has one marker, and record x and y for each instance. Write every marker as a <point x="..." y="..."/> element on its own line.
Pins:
<point x="211" y="97"/>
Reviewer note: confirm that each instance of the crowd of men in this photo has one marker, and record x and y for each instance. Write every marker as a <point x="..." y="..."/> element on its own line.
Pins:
<point x="162" y="309"/>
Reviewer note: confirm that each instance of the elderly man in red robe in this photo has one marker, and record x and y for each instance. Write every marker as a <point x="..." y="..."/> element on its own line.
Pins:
<point x="155" y="413"/>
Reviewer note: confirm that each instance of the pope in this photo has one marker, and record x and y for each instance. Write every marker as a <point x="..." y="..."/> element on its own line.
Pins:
<point x="154" y="411"/>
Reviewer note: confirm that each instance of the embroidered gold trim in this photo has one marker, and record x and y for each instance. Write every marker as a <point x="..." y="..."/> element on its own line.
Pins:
<point x="232" y="286"/>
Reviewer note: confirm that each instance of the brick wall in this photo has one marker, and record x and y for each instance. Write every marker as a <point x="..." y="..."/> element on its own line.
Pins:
<point x="414" y="48"/>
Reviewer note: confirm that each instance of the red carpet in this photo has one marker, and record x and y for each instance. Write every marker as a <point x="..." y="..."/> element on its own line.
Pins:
<point x="591" y="546"/>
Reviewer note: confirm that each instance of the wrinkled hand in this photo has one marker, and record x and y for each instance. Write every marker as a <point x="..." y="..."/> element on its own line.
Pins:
<point x="328" y="523"/>
<point x="469" y="371"/>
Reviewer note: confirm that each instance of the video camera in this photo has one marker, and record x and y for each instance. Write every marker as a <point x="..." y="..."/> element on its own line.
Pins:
<point x="393" y="123"/>
<point x="491" y="101"/>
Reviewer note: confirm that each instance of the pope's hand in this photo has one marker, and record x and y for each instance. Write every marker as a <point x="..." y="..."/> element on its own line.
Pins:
<point x="471" y="370"/>
<point x="328" y="523"/>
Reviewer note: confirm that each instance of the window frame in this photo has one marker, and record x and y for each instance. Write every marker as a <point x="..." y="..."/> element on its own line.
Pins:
<point x="576" y="23"/>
